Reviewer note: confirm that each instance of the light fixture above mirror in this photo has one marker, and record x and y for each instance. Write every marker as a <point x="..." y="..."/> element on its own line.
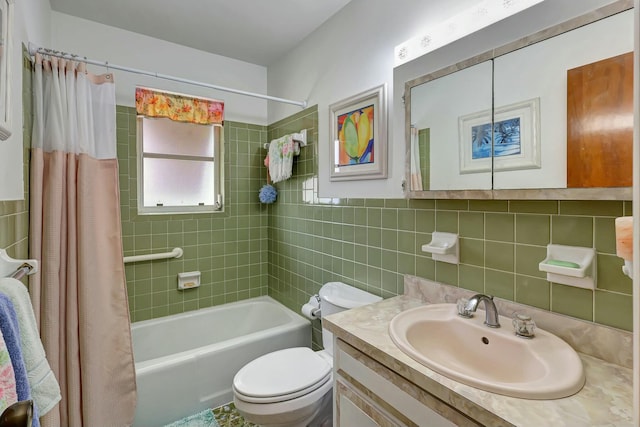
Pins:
<point x="469" y="21"/>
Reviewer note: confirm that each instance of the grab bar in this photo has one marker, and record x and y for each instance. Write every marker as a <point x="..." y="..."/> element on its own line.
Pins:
<point x="175" y="253"/>
<point x="299" y="137"/>
<point x="16" y="268"/>
<point x="22" y="271"/>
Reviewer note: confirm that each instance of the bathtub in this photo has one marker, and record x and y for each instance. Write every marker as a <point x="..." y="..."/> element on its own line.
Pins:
<point x="185" y="363"/>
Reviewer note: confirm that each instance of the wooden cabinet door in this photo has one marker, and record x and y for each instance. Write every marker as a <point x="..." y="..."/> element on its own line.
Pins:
<point x="600" y="123"/>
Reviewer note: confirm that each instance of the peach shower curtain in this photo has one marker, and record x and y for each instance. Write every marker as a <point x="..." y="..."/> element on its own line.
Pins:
<point x="416" y="171"/>
<point x="79" y="295"/>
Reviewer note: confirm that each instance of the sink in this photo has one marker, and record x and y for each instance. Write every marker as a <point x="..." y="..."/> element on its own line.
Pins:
<point x="491" y="359"/>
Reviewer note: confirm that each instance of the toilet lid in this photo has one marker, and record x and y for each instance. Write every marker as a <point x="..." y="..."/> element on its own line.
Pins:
<point x="292" y="371"/>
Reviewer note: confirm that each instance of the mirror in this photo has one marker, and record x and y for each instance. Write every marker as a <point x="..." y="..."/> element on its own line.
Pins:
<point x="548" y="134"/>
<point x="435" y="109"/>
<point x="5" y="51"/>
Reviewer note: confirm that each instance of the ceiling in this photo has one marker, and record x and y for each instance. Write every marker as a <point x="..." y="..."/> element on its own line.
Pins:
<point x="255" y="31"/>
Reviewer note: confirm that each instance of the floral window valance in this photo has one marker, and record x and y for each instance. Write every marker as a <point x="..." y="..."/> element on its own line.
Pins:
<point x="181" y="108"/>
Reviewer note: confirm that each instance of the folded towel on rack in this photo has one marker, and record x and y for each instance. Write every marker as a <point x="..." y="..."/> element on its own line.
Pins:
<point x="11" y="333"/>
<point x="44" y="386"/>
<point x="8" y="393"/>
<point x="281" y="152"/>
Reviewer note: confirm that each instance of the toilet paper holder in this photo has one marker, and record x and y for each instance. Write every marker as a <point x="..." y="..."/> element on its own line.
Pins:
<point x="312" y="309"/>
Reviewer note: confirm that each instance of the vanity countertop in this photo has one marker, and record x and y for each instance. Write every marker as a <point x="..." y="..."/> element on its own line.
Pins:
<point x="606" y="398"/>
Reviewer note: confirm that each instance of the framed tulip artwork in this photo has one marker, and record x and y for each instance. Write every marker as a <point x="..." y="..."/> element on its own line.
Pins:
<point x="358" y="136"/>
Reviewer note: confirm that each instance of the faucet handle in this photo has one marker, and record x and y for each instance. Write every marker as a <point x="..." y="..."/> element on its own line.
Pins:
<point x="463" y="311"/>
<point x="523" y="325"/>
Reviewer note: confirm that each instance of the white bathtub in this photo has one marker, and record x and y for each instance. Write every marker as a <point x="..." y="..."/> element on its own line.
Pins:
<point x="185" y="363"/>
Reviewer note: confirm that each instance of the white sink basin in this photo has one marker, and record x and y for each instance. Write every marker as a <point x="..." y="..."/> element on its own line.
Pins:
<point x="491" y="359"/>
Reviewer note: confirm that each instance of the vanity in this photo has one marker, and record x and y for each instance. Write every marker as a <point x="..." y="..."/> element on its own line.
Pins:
<point x="377" y="384"/>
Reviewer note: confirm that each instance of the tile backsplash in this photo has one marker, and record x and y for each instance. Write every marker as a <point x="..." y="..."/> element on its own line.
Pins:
<point x="372" y="243"/>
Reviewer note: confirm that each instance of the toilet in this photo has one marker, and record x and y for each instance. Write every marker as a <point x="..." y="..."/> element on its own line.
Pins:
<point x="293" y="387"/>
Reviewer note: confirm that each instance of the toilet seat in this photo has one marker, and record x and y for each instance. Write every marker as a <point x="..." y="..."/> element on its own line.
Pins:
<point x="282" y="375"/>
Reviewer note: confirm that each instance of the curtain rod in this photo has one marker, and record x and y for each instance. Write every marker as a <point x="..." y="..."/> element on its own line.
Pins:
<point x="33" y="49"/>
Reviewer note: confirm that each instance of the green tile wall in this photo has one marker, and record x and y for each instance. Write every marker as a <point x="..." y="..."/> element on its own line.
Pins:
<point x="371" y="243"/>
<point x="289" y="249"/>
<point x="14" y="215"/>
<point x="229" y="249"/>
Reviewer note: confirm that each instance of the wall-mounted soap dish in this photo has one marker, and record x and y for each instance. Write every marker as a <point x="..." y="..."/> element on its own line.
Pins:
<point x="570" y="265"/>
<point x="443" y="247"/>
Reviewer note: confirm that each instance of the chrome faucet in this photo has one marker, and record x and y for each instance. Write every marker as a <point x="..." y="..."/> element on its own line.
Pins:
<point x="491" y="312"/>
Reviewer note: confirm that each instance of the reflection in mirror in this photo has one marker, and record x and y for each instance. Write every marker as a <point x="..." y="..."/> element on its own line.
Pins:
<point x="5" y="53"/>
<point x="3" y="60"/>
<point x="540" y="71"/>
<point x="444" y="142"/>
<point x="544" y="107"/>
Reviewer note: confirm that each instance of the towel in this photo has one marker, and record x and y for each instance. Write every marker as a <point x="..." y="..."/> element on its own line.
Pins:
<point x="11" y="334"/>
<point x="8" y="393"/>
<point x="45" y="390"/>
<point x="281" y="152"/>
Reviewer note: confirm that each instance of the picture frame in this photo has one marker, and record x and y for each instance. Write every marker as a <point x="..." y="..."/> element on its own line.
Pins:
<point x="358" y="136"/>
<point x="515" y="143"/>
<point x="6" y="23"/>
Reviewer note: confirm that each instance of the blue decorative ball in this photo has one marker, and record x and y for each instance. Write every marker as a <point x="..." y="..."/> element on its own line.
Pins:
<point x="268" y="194"/>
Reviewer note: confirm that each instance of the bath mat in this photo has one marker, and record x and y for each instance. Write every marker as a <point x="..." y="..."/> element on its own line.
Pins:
<point x="201" y="419"/>
<point x="228" y="416"/>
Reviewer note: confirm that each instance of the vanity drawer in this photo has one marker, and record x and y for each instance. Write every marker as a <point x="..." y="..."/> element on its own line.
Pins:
<point x="353" y="408"/>
<point x="393" y="398"/>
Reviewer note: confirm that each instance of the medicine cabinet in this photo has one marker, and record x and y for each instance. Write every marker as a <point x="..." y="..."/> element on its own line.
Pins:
<point x="549" y="116"/>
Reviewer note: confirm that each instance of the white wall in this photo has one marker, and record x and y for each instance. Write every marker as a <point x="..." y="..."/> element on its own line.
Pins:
<point x="34" y="19"/>
<point x="350" y="53"/>
<point x="353" y="51"/>
<point x="104" y="43"/>
<point x="30" y="22"/>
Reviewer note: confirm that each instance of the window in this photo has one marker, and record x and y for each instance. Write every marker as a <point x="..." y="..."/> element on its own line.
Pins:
<point x="179" y="166"/>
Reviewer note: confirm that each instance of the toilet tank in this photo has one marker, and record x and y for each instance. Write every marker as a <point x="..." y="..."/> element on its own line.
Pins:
<point x="336" y="297"/>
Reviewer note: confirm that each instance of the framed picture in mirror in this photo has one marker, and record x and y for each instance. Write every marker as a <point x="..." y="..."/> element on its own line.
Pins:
<point x="6" y="12"/>
<point x="358" y="136"/>
<point x="511" y="140"/>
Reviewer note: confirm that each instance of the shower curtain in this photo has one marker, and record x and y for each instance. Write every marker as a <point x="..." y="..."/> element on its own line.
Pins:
<point x="416" y="174"/>
<point x="79" y="294"/>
